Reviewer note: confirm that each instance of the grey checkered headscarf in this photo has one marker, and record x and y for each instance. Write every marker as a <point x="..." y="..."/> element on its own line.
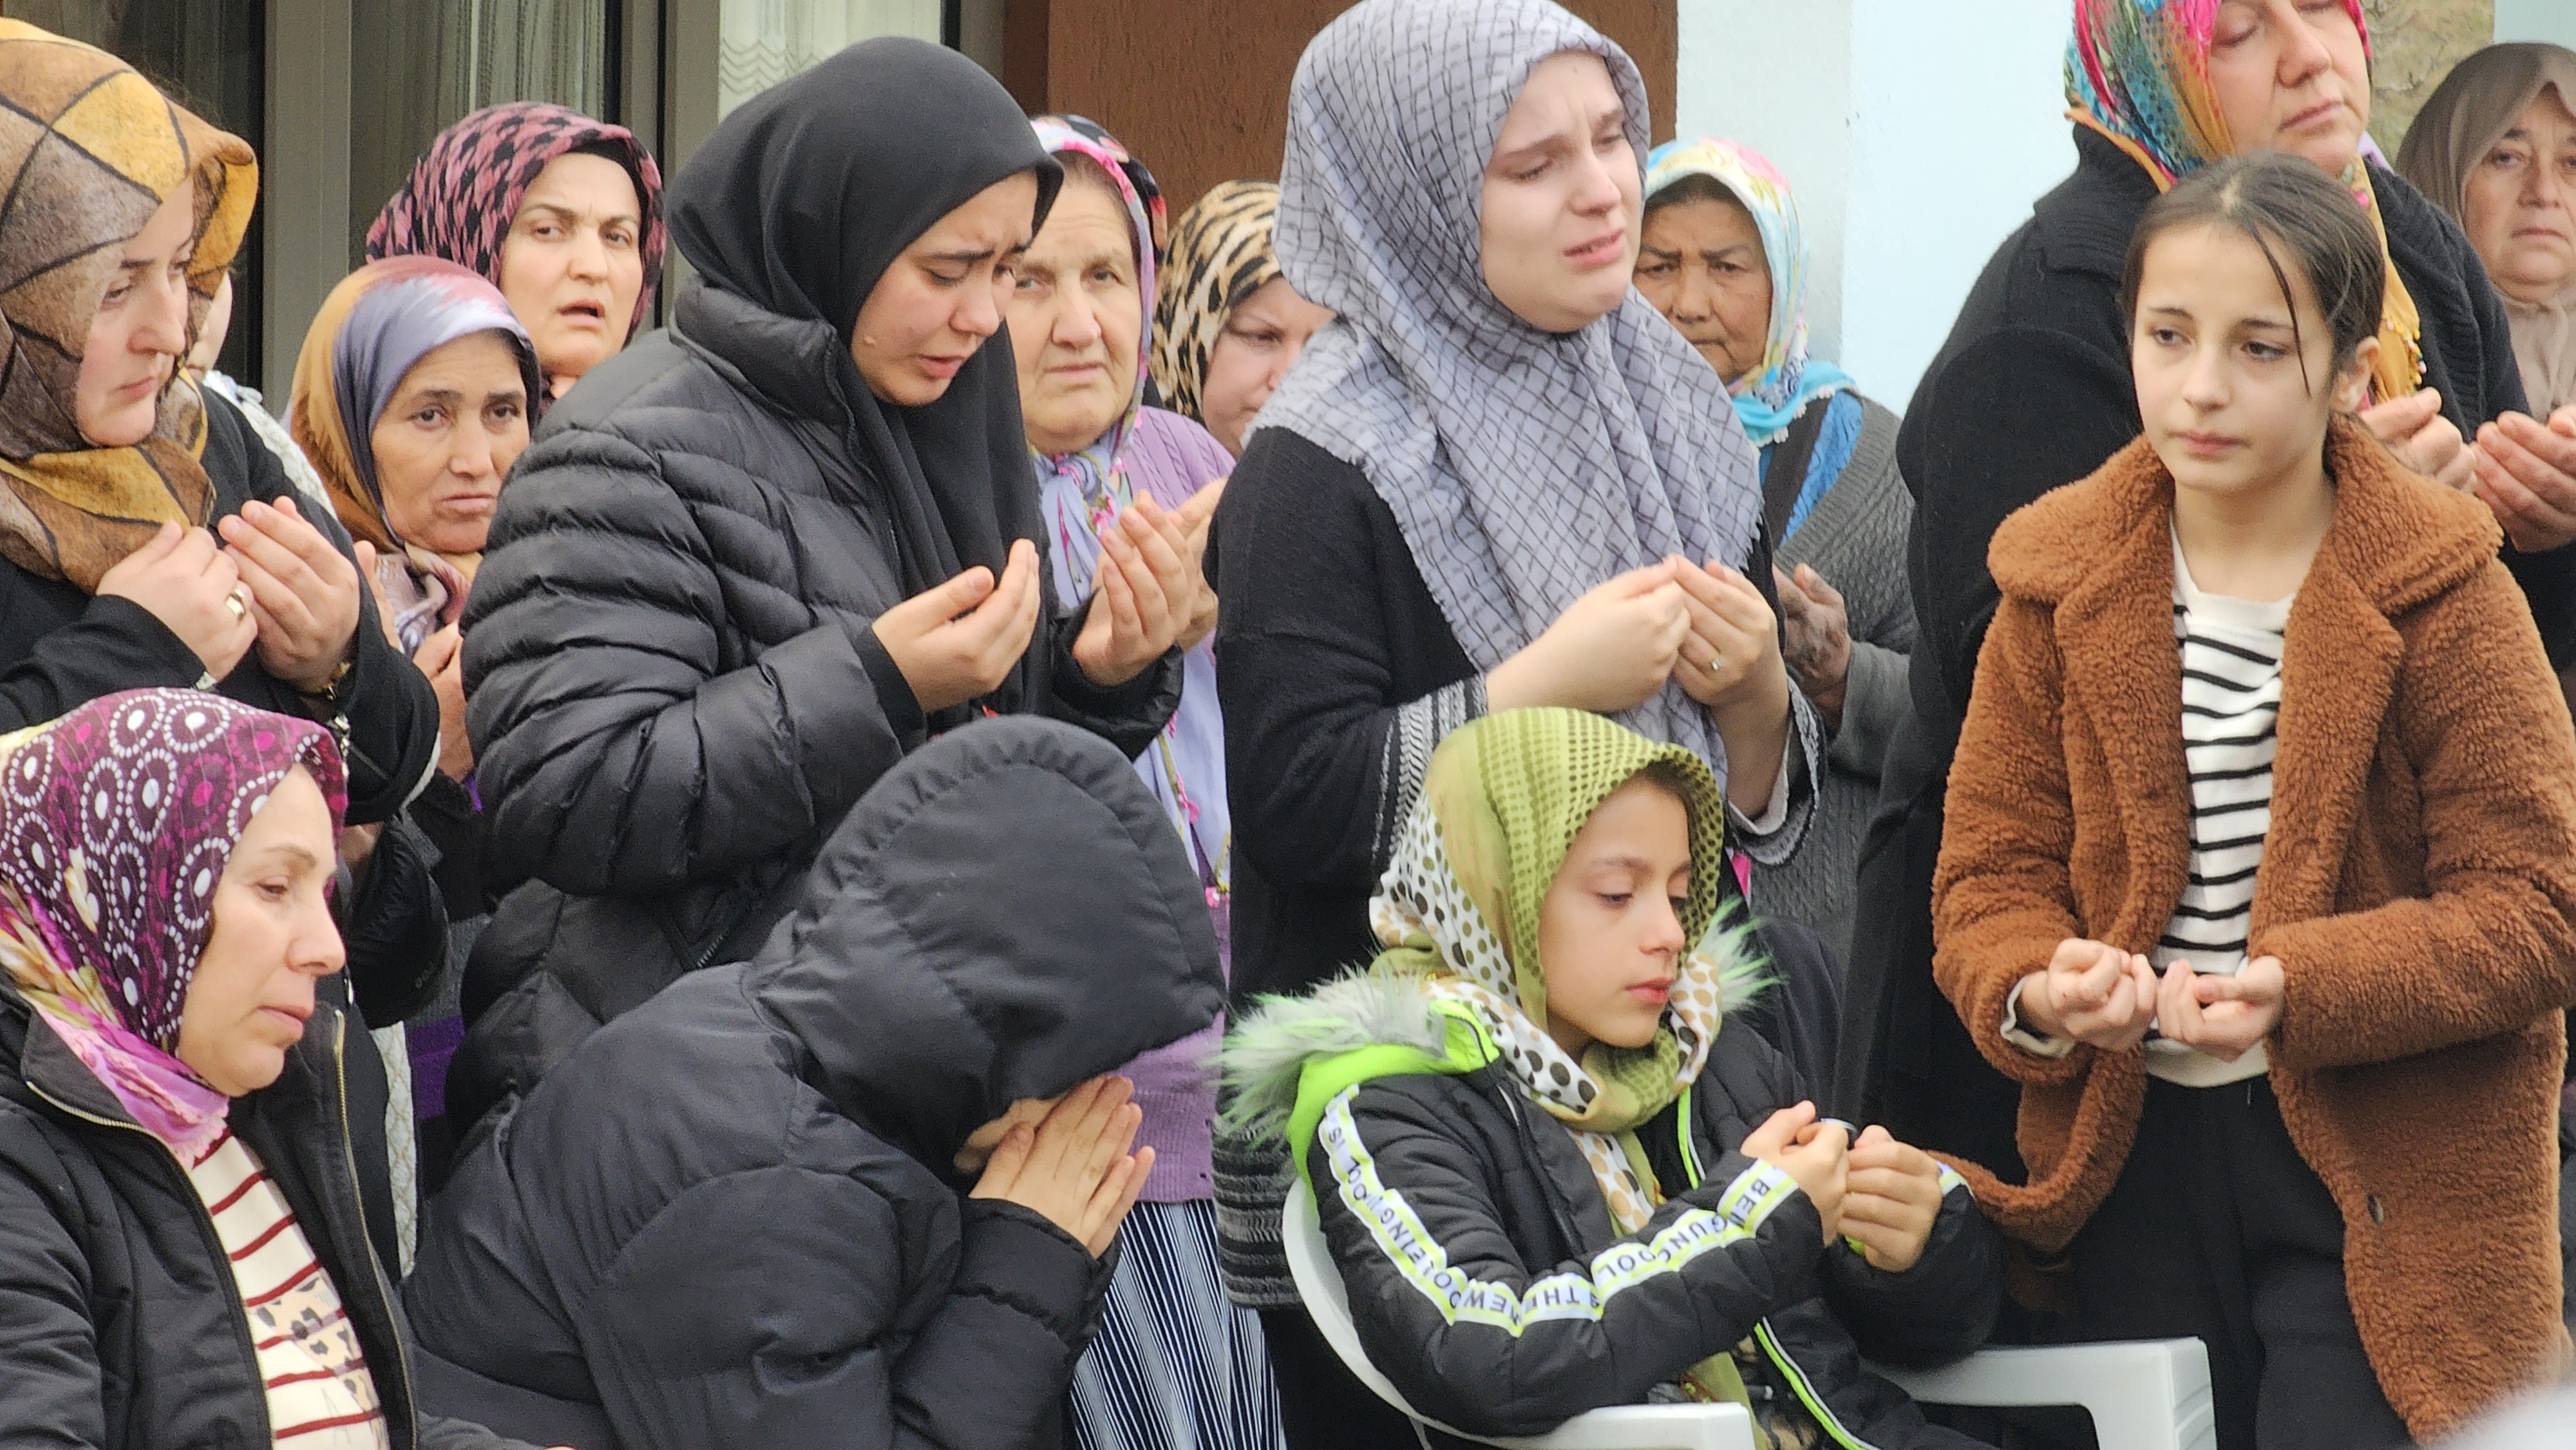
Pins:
<point x="1524" y="467"/>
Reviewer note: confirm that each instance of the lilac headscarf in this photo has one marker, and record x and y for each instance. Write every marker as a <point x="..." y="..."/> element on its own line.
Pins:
<point x="374" y="327"/>
<point x="116" y="822"/>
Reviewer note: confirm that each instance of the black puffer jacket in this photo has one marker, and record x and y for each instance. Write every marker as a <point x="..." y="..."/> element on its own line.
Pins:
<point x="119" y="1325"/>
<point x="731" y="1221"/>
<point x="675" y="691"/>
<point x="1486" y="1278"/>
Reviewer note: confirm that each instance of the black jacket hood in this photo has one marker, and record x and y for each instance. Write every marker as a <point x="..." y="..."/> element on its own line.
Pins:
<point x="1004" y="915"/>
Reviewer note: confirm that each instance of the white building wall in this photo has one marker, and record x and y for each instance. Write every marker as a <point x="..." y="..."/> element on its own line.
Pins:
<point x="2551" y="20"/>
<point x="1916" y="133"/>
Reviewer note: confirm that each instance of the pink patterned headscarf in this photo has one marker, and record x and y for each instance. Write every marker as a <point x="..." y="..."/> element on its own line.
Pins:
<point x="465" y="190"/>
<point x="115" y="825"/>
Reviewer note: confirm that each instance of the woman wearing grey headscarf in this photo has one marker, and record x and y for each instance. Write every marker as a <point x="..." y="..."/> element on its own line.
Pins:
<point x="1498" y="479"/>
<point x="2495" y="146"/>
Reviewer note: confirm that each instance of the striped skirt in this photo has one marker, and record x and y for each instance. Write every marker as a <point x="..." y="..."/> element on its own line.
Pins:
<point x="1176" y="1365"/>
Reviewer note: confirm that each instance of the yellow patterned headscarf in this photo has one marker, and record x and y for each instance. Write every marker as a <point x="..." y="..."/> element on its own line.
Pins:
<point x="1220" y="256"/>
<point x="89" y="151"/>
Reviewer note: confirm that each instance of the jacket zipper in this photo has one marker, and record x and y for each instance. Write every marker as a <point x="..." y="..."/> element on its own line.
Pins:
<point x="205" y="1231"/>
<point x="366" y="1240"/>
<point x="1762" y="1335"/>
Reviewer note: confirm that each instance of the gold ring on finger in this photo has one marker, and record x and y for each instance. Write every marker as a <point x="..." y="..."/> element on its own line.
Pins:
<point x="238" y="601"/>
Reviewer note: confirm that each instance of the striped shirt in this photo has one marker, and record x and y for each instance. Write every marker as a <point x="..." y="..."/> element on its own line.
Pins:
<point x="2231" y="705"/>
<point x="320" y="1396"/>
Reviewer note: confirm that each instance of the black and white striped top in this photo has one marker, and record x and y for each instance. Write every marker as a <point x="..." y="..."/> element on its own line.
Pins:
<point x="2231" y="704"/>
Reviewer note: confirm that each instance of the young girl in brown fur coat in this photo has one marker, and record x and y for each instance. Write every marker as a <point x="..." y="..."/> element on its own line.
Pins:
<point x="2260" y="871"/>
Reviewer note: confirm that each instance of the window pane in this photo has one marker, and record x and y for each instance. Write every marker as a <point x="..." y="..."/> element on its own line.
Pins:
<point x="209" y="54"/>
<point x="418" y="66"/>
<point x="766" y="41"/>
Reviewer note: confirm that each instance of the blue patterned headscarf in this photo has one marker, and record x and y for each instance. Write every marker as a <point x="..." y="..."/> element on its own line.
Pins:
<point x="1786" y="380"/>
<point x="1083" y="493"/>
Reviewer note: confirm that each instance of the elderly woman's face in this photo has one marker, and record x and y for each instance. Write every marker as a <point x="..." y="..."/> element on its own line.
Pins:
<point x="272" y="939"/>
<point x="1076" y="317"/>
<point x="1701" y="264"/>
<point x="935" y="306"/>
<point x="2291" y="75"/>
<point x="457" y="421"/>
<point x="2519" y="202"/>
<point x="1561" y="195"/>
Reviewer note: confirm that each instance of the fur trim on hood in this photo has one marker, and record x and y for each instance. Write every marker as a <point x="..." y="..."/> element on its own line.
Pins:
<point x="1266" y="1055"/>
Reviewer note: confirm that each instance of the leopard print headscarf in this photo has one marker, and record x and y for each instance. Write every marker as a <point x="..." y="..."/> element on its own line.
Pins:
<point x="1220" y="256"/>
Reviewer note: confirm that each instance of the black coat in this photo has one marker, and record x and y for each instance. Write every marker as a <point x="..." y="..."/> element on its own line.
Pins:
<point x="1338" y="674"/>
<point x="60" y="647"/>
<point x="2030" y="391"/>
<point x="674" y="690"/>
<point x="1468" y="1181"/>
<point x="732" y="1221"/>
<point x="124" y="1331"/>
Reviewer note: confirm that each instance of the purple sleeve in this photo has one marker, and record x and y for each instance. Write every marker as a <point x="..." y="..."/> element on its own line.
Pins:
<point x="1173" y="458"/>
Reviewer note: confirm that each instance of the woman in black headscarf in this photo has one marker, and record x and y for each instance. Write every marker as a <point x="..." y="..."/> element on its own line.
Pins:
<point x="762" y="555"/>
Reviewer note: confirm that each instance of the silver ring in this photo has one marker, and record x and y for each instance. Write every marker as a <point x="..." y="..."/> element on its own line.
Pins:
<point x="238" y="601"/>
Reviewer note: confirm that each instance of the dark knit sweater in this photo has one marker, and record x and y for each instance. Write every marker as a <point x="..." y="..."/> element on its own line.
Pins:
<point x="1855" y="538"/>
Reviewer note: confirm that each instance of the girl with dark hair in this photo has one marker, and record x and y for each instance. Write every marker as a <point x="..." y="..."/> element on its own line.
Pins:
<point x="2032" y="389"/>
<point x="2234" y="1042"/>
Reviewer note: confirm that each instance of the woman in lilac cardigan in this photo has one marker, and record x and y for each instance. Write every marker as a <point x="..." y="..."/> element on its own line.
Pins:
<point x="1175" y="1363"/>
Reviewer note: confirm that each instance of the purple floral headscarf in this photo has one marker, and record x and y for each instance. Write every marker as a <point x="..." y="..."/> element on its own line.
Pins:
<point x="115" y="824"/>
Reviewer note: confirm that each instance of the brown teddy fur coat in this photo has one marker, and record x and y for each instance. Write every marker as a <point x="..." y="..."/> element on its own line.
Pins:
<point x="2418" y="885"/>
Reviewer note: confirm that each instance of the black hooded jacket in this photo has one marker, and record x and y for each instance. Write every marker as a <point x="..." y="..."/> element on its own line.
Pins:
<point x="675" y="690"/>
<point x="120" y="1327"/>
<point x="731" y="1220"/>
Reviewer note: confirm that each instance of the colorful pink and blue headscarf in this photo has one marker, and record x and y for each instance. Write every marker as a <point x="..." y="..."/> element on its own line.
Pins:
<point x="1787" y="379"/>
<point x="2137" y="71"/>
<point x="116" y="822"/>
<point x="1075" y="136"/>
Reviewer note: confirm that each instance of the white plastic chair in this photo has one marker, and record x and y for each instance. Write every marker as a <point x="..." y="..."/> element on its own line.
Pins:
<point x="2147" y="1394"/>
<point x="2144" y="1395"/>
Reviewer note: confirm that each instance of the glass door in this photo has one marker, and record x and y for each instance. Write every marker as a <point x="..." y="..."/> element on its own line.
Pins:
<point x="766" y="41"/>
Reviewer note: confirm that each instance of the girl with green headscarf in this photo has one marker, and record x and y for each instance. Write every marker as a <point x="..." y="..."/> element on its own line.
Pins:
<point x="1554" y="1175"/>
